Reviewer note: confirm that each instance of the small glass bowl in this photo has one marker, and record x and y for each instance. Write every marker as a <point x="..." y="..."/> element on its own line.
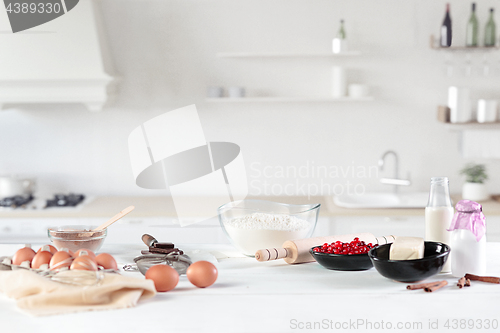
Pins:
<point x="75" y="237"/>
<point x="253" y="237"/>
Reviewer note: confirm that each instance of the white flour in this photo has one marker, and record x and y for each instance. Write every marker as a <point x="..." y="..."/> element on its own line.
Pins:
<point x="261" y="231"/>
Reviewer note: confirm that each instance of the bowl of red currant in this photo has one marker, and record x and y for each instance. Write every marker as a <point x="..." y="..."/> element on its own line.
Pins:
<point x="339" y="256"/>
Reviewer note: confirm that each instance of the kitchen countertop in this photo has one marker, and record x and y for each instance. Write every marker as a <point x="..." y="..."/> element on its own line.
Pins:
<point x="250" y="296"/>
<point x="163" y="206"/>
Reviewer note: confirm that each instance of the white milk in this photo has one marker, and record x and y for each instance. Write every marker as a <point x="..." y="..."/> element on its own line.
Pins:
<point x="469" y="255"/>
<point x="437" y="221"/>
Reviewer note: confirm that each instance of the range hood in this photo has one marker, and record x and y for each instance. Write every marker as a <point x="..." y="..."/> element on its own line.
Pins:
<point x="57" y="62"/>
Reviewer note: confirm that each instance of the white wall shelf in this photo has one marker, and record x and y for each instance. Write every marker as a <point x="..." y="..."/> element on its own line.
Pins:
<point x="287" y="99"/>
<point x="471" y="126"/>
<point x="286" y="55"/>
<point x="283" y="99"/>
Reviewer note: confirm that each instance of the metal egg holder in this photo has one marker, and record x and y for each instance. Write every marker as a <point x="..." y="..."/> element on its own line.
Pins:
<point x="63" y="275"/>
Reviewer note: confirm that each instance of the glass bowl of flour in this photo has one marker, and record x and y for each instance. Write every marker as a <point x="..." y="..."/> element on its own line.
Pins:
<point x="252" y="225"/>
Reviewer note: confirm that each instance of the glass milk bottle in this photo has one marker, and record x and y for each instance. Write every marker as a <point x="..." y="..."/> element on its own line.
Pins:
<point x="438" y="215"/>
<point x="468" y="239"/>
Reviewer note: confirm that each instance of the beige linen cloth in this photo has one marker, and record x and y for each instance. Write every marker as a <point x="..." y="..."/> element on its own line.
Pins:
<point x="40" y="296"/>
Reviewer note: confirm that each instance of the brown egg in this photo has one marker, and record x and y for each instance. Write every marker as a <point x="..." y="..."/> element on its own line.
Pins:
<point x="202" y="274"/>
<point x="89" y="253"/>
<point x="51" y="249"/>
<point x="41" y="258"/>
<point x="60" y="259"/>
<point x="106" y="261"/>
<point x="24" y="254"/>
<point x="84" y="262"/>
<point x="67" y="250"/>
<point x="164" y="277"/>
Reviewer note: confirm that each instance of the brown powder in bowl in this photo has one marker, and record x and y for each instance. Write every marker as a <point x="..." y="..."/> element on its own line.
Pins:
<point x="75" y="239"/>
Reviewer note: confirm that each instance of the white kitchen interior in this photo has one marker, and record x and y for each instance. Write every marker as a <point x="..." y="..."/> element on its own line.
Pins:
<point x="300" y="146"/>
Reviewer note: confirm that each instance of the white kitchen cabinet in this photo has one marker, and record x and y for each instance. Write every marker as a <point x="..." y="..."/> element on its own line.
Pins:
<point x="127" y="230"/>
<point x="377" y="225"/>
<point x="130" y="229"/>
<point x="288" y="99"/>
<point x="286" y="55"/>
<point x="398" y="226"/>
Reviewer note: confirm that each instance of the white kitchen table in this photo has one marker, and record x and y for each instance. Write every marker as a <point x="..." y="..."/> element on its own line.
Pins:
<point x="250" y="296"/>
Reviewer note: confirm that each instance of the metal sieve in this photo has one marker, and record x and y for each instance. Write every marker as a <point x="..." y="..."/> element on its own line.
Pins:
<point x="180" y="262"/>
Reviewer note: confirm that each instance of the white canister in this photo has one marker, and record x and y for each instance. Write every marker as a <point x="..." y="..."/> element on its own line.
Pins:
<point x="468" y="239"/>
<point x="338" y="81"/>
<point x="236" y="92"/>
<point x="215" y="92"/>
<point x="459" y="104"/>
<point x="487" y="111"/>
<point x="339" y="45"/>
<point x="358" y="90"/>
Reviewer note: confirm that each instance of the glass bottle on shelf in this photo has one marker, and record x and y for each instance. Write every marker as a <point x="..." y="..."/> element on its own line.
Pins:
<point x="472" y="34"/>
<point x="490" y="31"/>
<point x="438" y="215"/>
<point x="445" y="40"/>
<point x="340" y="42"/>
<point x="341" y="33"/>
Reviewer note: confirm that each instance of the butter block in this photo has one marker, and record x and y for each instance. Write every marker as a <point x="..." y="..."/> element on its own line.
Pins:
<point x="407" y="248"/>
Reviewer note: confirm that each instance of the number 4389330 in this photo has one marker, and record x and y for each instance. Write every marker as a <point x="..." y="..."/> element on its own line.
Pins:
<point x="471" y="324"/>
<point x="42" y="8"/>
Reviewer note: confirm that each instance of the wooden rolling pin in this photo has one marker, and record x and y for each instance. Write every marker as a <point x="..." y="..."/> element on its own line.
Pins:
<point x="297" y="251"/>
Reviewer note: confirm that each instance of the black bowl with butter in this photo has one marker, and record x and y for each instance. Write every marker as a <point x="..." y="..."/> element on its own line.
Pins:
<point x="435" y="256"/>
<point x="342" y="262"/>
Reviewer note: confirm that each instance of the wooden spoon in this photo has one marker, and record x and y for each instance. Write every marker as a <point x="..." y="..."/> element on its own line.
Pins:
<point x="114" y="218"/>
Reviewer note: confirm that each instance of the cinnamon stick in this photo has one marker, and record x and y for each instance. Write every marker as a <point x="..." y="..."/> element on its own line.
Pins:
<point x="461" y="282"/>
<point x="436" y="287"/>
<point x="489" y="279"/>
<point x="422" y="285"/>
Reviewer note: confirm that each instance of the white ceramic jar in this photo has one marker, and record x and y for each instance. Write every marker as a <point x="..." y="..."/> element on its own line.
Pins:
<point x="468" y="239"/>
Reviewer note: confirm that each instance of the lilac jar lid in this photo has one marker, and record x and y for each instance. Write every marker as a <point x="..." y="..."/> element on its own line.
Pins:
<point x="469" y="216"/>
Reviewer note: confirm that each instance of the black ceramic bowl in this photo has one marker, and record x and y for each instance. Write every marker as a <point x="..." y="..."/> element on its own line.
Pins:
<point x="435" y="256"/>
<point x="342" y="262"/>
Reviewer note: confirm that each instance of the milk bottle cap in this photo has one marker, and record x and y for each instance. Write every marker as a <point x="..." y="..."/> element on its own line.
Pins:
<point x="469" y="216"/>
